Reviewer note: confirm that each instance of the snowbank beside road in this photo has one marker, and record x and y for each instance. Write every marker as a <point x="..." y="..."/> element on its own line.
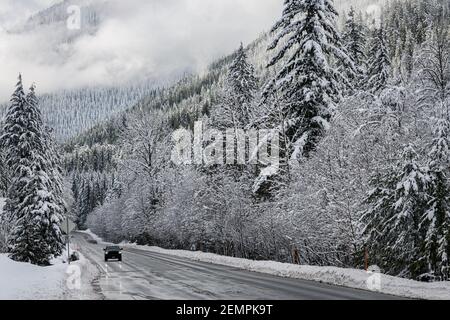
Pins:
<point x="24" y="281"/>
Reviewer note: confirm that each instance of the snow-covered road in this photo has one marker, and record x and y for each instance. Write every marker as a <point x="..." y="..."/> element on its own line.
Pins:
<point x="150" y="275"/>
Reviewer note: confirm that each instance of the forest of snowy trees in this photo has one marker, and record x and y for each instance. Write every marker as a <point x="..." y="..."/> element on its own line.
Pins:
<point x="362" y="114"/>
<point x="72" y="112"/>
<point x="361" y="106"/>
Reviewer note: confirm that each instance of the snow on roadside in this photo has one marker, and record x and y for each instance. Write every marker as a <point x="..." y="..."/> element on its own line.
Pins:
<point x="346" y="277"/>
<point x="24" y="281"/>
<point x="27" y="281"/>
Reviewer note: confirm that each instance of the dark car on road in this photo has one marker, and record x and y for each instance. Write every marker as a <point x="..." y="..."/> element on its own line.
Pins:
<point x="113" y="252"/>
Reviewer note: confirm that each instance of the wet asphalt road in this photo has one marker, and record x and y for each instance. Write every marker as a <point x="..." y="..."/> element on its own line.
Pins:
<point x="149" y="275"/>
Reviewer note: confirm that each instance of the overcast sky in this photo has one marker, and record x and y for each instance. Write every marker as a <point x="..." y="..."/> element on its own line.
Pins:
<point x="139" y="38"/>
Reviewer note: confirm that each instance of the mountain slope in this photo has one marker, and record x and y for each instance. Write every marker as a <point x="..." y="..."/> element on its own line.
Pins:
<point x="360" y="5"/>
<point x="71" y="112"/>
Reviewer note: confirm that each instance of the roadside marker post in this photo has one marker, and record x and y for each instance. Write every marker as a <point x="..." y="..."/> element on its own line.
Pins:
<point x="67" y="228"/>
<point x="366" y="259"/>
<point x="68" y="240"/>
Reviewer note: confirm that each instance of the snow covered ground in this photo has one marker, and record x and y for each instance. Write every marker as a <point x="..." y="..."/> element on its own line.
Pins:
<point x="352" y="278"/>
<point x="24" y="281"/>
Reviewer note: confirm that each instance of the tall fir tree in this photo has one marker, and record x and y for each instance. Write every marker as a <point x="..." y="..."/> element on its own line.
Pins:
<point x="308" y="84"/>
<point x="436" y="221"/>
<point x="395" y="208"/>
<point x="84" y="203"/>
<point x="242" y="83"/>
<point x="53" y="156"/>
<point x="240" y="87"/>
<point x="35" y="215"/>
<point x="379" y="62"/>
<point x="234" y="114"/>
<point x="408" y="55"/>
<point x="4" y="174"/>
<point x="48" y="175"/>
<point x="354" y="38"/>
<point x="15" y="149"/>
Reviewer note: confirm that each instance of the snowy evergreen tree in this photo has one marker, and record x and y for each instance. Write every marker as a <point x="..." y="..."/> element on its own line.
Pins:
<point x="53" y="158"/>
<point x="239" y="90"/>
<point x="35" y="215"/>
<point x="84" y="202"/>
<point x="408" y="55"/>
<point x="396" y="206"/>
<point x="355" y="40"/>
<point x="307" y="84"/>
<point x="13" y="131"/>
<point x="433" y="64"/>
<point x="4" y="174"/>
<point x="379" y="62"/>
<point x="48" y="183"/>
<point x="436" y="221"/>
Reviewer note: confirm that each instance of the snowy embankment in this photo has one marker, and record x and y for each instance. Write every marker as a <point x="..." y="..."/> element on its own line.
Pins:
<point x="24" y="281"/>
<point x="352" y="278"/>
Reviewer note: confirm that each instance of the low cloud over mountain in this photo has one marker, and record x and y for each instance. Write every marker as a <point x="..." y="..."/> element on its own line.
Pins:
<point x="133" y="39"/>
